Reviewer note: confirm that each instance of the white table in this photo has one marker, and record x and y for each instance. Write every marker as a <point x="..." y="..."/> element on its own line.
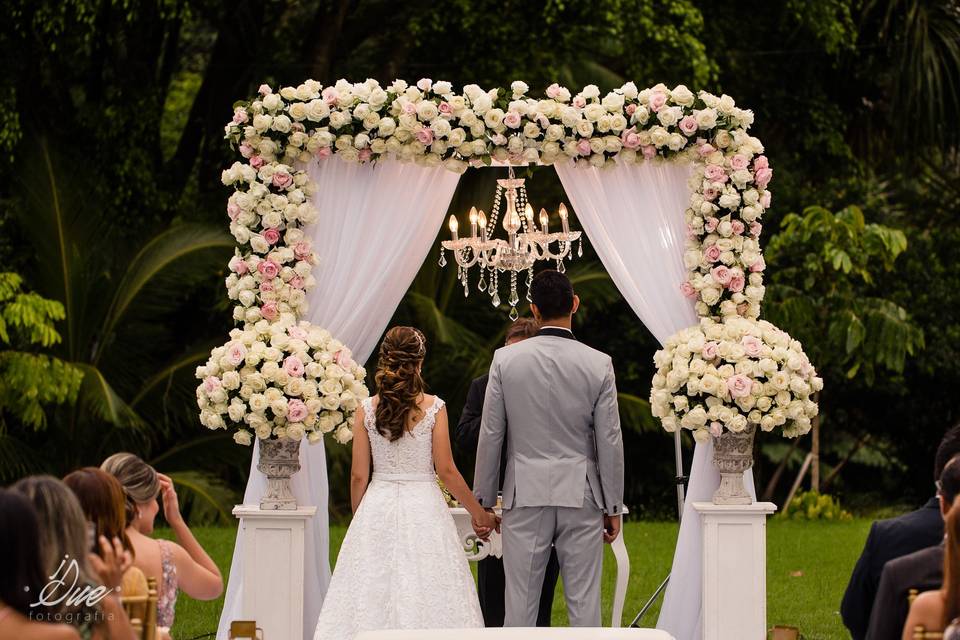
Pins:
<point x="476" y="549"/>
<point x="518" y="633"/>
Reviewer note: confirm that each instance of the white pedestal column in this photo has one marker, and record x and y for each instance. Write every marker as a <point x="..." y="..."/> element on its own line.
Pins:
<point x="272" y="550"/>
<point x="734" y="570"/>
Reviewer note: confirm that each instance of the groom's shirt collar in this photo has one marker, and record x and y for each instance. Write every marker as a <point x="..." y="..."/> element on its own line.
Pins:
<point x="560" y="332"/>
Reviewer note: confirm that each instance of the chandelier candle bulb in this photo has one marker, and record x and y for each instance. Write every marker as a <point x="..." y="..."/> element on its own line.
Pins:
<point x="528" y="212"/>
<point x="544" y="220"/>
<point x="473" y="222"/>
<point x="482" y="221"/>
<point x="453" y="228"/>
<point x="563" y="218"/>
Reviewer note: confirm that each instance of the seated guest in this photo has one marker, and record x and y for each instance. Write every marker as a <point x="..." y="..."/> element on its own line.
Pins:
<point x="184" y="566"/>
<point x="933" y="610"/>
<point x="889" y="539"/>
<point x="921" y="570"/>
<point x="22" y="575"/>
<point x="490" y="578"/>
<point x="64" y="540"/>
<point x="102" y="500"/>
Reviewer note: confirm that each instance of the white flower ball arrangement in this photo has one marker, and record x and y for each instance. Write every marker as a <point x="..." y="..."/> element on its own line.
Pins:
<point x="284" y="379"/>
<point x="733" y="375"/>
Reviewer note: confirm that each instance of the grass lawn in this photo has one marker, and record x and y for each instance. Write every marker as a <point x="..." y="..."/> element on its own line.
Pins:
<point x="808" y="564"/>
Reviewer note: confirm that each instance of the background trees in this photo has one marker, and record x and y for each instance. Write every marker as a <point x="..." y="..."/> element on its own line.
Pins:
<point x="111" y="120"/>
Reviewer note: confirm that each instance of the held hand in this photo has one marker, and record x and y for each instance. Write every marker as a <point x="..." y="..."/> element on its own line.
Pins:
<point x="485" y="523"/>
<point x="611" y="528"/>
<point x="171" y="505"/>
<point x="112" y="562"/>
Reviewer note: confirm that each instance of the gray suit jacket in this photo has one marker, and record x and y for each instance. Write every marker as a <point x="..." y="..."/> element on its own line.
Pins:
<point x="559" y="397"/>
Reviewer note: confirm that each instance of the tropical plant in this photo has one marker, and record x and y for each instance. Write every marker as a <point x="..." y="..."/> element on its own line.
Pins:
<point x="812" y="505"/>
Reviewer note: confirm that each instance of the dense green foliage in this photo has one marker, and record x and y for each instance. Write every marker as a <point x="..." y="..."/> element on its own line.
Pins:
<point x="812" y="505"/>
<point x="111" y="124"/>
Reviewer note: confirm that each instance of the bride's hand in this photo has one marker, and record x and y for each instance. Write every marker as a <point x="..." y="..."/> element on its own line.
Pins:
<point x="486" y="523"/>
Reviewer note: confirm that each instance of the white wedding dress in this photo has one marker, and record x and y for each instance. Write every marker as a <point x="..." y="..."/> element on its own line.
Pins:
<point x="401" y="565"/>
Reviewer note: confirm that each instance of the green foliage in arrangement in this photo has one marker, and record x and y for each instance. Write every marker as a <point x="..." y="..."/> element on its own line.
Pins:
<point x="812" y="505"/>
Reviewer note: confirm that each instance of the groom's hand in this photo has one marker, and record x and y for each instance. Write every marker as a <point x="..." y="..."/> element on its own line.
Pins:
<point x="611" y="528"/>
<point x="485" y="524"/>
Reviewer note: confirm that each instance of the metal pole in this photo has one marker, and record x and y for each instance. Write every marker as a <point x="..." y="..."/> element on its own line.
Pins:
<point x="680" y="480"/>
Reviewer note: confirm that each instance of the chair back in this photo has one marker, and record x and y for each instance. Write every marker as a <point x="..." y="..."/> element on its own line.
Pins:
<point x="139" y="600"/>
<point x="920" y="633"/>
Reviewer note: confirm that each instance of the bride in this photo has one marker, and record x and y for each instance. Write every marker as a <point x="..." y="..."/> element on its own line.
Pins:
<point x="401" y="565"/>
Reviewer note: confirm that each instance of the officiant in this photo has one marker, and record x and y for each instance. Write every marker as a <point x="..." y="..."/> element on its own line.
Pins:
<point x="490" y="570"/>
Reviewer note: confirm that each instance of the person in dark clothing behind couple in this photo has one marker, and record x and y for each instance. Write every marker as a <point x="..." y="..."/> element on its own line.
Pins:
<point x="490" y="570"/>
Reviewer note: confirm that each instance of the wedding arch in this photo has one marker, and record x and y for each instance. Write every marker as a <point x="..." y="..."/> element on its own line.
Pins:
<point x="342" y="189"/>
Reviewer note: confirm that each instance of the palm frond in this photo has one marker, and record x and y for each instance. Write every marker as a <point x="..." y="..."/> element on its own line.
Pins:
<point x="99" y="398"/>
<point x="635" y="413"/>
<point x="204" y="498"/>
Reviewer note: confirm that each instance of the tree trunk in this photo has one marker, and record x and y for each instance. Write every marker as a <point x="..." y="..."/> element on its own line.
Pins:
<point x="778" y="473"/>
<point x="815" y="450"/>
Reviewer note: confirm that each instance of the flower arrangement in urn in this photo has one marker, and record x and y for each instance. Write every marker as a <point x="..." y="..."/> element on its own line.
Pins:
<point x="280" y="381"/>
<point x="725" y="379"/>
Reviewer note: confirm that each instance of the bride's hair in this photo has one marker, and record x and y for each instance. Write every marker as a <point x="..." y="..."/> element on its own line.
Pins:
<point x="399" y="383"/>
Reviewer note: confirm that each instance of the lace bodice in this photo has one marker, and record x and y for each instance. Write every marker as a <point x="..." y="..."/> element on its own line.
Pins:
<point x="412" y="453"/>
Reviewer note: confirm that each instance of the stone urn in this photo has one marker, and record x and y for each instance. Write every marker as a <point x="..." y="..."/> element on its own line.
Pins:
<point x="279" y="459"/>
<point x="732" y="455"/>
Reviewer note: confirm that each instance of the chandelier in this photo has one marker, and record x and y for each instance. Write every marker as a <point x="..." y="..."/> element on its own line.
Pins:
<point x="524" y="246"/>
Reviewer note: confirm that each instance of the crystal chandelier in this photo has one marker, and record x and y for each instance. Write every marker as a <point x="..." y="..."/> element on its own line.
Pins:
<point x="524" y="246"/>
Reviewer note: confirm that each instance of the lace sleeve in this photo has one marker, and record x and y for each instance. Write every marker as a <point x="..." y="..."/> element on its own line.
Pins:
<point x="430" y="417"/>
<point x="369" y="415"/>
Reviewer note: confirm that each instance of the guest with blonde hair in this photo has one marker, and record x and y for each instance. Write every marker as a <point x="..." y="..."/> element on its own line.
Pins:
<point x="181" y="565"/>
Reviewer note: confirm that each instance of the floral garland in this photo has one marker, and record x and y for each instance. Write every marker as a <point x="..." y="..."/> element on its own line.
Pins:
<point x="430" y="124"/>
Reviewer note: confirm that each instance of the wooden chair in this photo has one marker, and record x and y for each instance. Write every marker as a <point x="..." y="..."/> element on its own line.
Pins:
<point x="920" y="633"/>
<point x="139" y="599"/>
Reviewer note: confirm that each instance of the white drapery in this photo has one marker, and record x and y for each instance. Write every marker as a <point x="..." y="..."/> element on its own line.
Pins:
<point x="633" y="215"/>
<point x="376" y="224"/>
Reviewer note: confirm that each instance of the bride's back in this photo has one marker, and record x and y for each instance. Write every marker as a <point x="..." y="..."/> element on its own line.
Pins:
<point x="412" y="452"/>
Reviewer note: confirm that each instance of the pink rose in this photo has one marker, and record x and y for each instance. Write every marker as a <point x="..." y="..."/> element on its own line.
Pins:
<point x="755" y="229"/>
<point x="424" y="84"/>
<point x="445" y="108"/>
<point x="297" y="332"/>
<point x="236" y="353"/>
<point x="344" y="358"/>
<point x="553" y="90"/>
<point x="688" y="125"/>
<point x="690" y="232"/>
<point x="256" y="162"/>
<point x="498" y="139"/>
<point x="330" y="95"/>
<point x="266" y="287"/>
<point x="752" y="346"/>
<point x="721" y="274"/>
<point x="296" y="410"/>
<point x="264" y="90"/>
<point x="765" y="200"/>
<point x="738" y="162"/>
<point x="705" y="150"/>
<point x="272" y="236"/>
<point x="739" y="385"/>
<point x="716" y="429"/>
<point x="688" y="291"/>
<point x="270" y="311"/>
<point x="296" y="282"/>
<point x="238" y="265"/>
<point x="324" y="152"/>
<point x="293" y="366"/>
<point x="715" y="173"/>
<point x="737" y="227"/>
<point x="763" y="176"/>
<point x="282" y="179"/>
<point x="211" y="384"/>
<point x="712" y="253"/>
<point x="233" y="210"/>
<point x="737" y="280"/>
<point x="240" y="115"/>
<point x="512" y="119"/>
<point x="760" y="162"/>
<point x="657" y="100"/>
<point x="649" y="151"/>
<point x="425" y="136"/>
<point x="409" y="108"/>
<point x="579" y="102"/>
<point x="630" y="139"/>
<point x="631" y="109"/>
<point x="365" y="154"/>
<point x="245" y="150"/>
<point x="268" y="269"/>
<point x="711" y="223"/>
<point x="302" y="250"/>
<point x="758" y="266"/>
<point x="710" y="351"/>
<point x="583" y="147"/>
<point x="711" y="194"/>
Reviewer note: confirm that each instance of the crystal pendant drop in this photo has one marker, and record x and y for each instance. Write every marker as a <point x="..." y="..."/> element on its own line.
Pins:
<point x="513" y="314"/>
<point x="482" y="285"/>
<point x="496" y="299"/>
<point x="561" y="267"/>
<point x="580" y="249"/>
<point x="443" y="258"/>
<point x="514" y="298"/>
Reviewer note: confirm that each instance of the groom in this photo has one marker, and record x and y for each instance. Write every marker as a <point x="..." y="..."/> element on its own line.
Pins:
<point x="563" y="482"/>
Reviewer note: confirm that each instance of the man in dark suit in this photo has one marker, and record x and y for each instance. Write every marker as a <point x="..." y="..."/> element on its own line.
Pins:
<point x="894" y="538"/>
<point x="921" y="570"/>
<point x="490" y="575"/>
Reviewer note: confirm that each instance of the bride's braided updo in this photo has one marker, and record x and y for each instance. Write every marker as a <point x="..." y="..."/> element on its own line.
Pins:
<point x="399" y="383"/>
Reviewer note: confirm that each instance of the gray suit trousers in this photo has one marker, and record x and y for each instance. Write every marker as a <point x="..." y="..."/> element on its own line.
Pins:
<point x="577" y="534"/>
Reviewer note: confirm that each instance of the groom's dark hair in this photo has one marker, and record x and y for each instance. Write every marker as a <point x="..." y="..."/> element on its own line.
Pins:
<point x="552" y="292"/>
